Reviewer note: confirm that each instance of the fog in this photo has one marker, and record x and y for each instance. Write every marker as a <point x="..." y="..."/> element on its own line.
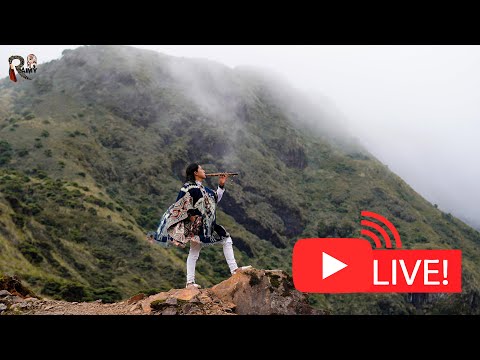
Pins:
<point x="416" y="108"/>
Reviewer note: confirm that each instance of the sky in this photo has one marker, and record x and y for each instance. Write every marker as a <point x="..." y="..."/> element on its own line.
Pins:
<point x="416" y="108"/>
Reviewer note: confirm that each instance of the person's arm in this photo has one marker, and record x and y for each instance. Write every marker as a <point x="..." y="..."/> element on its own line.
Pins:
<point x="221" y="186"/>
<point x="220" y="191"/>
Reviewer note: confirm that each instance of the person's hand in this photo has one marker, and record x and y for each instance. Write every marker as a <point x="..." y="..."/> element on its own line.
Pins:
<point x="222" y="179"/>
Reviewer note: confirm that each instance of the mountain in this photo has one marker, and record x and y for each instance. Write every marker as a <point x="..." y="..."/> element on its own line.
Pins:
<point x="93" y="150"/>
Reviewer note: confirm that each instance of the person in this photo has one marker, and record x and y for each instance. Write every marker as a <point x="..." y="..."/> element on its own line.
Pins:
<point x="192" y="218"/>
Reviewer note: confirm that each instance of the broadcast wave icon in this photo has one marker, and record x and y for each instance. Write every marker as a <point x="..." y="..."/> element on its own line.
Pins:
<point x="377" y="227"/>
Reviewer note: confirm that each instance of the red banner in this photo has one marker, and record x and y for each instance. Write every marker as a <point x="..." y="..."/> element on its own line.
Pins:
<point x="348" y="265"/>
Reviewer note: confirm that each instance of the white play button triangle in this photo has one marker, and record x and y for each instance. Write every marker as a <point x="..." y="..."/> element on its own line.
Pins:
<point x="331" y="265"/>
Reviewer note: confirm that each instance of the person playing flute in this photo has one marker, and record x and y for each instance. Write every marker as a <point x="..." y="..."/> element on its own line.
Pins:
<point x="192" y="218"/>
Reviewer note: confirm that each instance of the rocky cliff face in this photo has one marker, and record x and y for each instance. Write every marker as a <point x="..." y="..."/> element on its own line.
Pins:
<point x="263" y="292"/>
<point x="252" y="292"/>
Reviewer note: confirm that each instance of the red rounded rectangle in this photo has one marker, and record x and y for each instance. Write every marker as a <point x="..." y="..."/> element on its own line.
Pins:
<point x="317" y="265"/>
<point x="349" y="265"/>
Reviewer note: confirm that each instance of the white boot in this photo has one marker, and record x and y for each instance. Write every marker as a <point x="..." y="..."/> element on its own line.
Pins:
<point x="241" y="269"/>
<point x="192" y="286"/>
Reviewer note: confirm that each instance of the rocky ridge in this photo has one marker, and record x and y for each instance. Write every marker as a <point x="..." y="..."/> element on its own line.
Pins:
<point x="251" y="292"/>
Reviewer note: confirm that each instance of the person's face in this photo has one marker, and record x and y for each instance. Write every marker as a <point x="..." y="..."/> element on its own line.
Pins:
<point x="200" y="173"/>
<point x="31" y="61"/>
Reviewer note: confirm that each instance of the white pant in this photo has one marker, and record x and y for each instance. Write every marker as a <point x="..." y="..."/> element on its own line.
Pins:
<point x="195" y="252"/>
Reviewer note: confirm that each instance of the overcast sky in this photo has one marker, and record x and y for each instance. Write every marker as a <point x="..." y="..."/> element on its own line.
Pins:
<point x="416" y="108"/>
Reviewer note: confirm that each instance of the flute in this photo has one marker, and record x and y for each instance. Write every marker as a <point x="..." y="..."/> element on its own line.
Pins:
<point x="222" y="173"/>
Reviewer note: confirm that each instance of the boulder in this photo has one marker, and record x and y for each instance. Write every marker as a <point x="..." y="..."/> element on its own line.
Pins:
<point x="263" y="292"/>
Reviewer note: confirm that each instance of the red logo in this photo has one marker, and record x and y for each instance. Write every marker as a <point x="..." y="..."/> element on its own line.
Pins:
<point x="339" y="265"/>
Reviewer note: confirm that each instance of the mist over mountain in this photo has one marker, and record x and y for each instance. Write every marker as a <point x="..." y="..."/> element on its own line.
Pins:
<point x="93" y="151"/>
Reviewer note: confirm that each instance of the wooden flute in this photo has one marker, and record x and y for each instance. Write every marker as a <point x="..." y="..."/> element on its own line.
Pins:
<point x="222" y="173"/>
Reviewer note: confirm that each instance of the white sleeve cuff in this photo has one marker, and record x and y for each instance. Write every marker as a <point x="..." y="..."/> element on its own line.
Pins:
<point x="220" y="192"/>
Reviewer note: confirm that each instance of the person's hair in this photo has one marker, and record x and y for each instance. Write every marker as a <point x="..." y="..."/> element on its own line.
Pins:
<point x="190" y="172"/>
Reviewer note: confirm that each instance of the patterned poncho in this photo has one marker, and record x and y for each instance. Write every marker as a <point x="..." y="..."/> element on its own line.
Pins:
<point x="196" y="200"/>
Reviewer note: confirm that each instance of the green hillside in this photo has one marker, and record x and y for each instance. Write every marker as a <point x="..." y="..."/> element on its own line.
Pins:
<point x="92" y="152"/>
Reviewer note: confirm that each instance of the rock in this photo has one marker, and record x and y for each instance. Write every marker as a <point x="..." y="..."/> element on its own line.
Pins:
<point x="249" y="292"/>
<point x="178" y="294"/>
<point x="194" y="300"/>
<point x="184" y="294"/>
<point x="159" y="305"/>
<point x="4" y="293"/>
<point x="170" y="311"/>
<point x="135" y="307"/>
<point x="204" y="298"/>
<point x="21" y="306"/>
<point x="146" y="303"/>
<point x="229" y="306"/>
<point x="190" y="309"/>
<point x="263" y="292"/>
<point x="252" y="292"/>
<point x="15" y="299"/>
<point x="14" y="285"/>
<point x="171" y="301"/>
<point x="135" y="298"/>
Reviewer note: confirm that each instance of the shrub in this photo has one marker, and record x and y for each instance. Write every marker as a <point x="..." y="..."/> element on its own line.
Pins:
<point x="74" y="292"/>
<point x="18" y="219"/>
<point x="421" y="239"/>
<point x="30" y="253"/>
<point x="22" y="152"/>
<point x="51" y="288"/>
<point x="5" y="152"/>
<point x="342" y="168"/>
<point x="108" y="294"/>
<point x="150" y="292"/>
<point x="96" y="201"/>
